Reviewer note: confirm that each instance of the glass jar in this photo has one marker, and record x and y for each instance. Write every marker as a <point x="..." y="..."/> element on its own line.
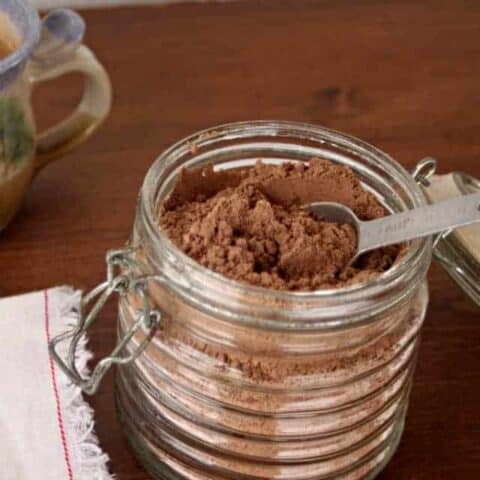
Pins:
<point x="223" y="380"/>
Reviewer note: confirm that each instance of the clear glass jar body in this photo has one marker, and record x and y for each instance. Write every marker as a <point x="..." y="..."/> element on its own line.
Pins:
<point x="245" y="383"/>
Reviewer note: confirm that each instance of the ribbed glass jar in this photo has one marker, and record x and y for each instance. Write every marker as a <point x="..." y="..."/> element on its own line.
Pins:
<point x="241" y="382"/>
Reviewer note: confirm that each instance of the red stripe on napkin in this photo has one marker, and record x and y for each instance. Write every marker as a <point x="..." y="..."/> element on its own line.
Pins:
<point x="53" y="374"/>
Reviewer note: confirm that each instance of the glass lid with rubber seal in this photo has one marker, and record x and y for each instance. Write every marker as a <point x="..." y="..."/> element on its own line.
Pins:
<point x="458" y="251"/>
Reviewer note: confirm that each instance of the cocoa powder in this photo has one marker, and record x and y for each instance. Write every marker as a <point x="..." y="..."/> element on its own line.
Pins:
<point x="249" y="224"/>
<point x="250" y="402"/>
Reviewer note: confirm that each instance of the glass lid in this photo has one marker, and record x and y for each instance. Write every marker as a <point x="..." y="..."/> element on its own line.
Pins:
<point x="458" y="251"/>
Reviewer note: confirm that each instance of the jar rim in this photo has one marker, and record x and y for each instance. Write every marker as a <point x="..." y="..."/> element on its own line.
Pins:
<point x="416" y="251"/>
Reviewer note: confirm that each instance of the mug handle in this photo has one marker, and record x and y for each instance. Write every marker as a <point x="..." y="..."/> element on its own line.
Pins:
<point x="59" y="52"/>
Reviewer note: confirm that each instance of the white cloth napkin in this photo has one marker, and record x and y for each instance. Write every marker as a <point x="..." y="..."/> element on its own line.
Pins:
<point x="46" y="428"/>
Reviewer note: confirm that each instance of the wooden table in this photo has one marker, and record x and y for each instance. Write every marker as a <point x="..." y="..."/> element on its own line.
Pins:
<point x="404" y="76"/>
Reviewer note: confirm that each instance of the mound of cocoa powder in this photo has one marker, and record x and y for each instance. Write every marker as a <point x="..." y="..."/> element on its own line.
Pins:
<point x="249" y="225"/>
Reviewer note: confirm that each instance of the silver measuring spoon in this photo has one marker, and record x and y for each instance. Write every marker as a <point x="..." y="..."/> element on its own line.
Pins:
<point x="400" y="227"/>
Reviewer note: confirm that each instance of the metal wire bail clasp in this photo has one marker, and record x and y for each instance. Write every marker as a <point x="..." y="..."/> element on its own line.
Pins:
<point x="91" y="305"/>
<point x="424" y="170"/>
<point x="422" y="173"/>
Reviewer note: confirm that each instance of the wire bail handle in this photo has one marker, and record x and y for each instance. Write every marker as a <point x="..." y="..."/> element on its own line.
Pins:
<point x="423" y="171"/>
<point x="147" y="319"/>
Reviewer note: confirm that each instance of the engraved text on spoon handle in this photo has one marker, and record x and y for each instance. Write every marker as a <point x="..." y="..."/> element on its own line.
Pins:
<point x="421" y="222"/>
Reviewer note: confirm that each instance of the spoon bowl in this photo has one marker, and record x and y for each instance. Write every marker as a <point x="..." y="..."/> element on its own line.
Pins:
<point x="337" y="213"/>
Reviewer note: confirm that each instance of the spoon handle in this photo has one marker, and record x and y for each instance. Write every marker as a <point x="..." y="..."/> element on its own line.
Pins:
<point x="420" y="222"/>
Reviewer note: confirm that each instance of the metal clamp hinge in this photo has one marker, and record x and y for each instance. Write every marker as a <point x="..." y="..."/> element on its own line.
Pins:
<point x="147" y="320"/>
<point x="424" y="171"/>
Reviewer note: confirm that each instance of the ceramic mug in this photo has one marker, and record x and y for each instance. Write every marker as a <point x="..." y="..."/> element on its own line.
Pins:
<point x="42" y="50"/>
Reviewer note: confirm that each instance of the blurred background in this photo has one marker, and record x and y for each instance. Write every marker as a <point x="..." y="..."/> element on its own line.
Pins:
<point x="103" y="3"/>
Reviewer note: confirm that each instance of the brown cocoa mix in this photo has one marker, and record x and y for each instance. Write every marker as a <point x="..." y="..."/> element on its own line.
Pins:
<point x="274" y="384"/>
<point x="260" y="403"/>
<point x="249" y="224"/>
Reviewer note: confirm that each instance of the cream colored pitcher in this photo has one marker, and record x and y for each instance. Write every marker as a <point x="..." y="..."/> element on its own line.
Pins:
<point x="40" y="51"/>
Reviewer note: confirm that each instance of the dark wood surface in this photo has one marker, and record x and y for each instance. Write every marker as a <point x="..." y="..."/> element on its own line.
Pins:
<point x="402" y="75"/>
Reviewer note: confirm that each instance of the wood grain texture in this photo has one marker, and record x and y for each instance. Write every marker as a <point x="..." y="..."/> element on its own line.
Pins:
<point x="402" y="75"/>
